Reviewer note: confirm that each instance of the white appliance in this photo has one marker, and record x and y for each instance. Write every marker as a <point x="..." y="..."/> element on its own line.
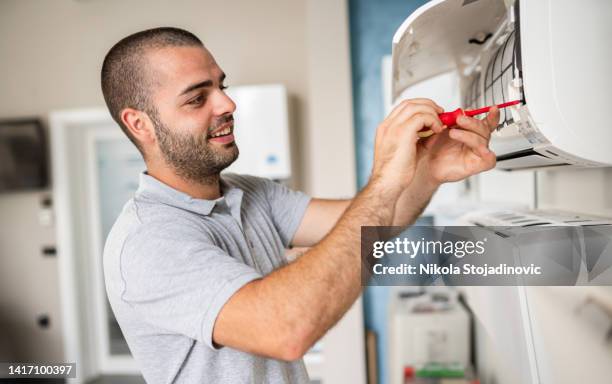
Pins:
<point x="553" y="55"/>
<point x="530" y="218"/>
<point x="430" y="328"/>
<point x="261" y="128"/>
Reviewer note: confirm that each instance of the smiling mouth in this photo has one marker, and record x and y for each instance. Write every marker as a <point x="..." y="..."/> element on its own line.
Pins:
<point x="226" y="131"/>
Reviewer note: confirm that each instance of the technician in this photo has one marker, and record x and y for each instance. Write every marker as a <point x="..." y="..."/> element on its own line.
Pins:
<point x="195" y="265"/>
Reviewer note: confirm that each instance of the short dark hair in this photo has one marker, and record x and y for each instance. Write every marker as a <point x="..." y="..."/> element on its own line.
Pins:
<point x="125" y="83"/>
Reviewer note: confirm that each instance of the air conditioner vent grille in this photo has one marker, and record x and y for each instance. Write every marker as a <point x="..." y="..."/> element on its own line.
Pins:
<point x="502" y="69"/>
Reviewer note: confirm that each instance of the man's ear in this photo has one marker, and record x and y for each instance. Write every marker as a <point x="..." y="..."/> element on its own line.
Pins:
<point x="139" y="124"/>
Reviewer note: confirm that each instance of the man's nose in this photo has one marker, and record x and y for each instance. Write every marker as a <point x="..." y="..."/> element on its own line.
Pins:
<point x="223" y="104"/>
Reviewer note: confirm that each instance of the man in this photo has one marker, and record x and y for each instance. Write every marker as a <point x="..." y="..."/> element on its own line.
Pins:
<point x="194" y="266"/>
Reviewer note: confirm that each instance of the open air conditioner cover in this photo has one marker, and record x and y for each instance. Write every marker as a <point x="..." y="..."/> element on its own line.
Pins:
<point x="553" y="55"/>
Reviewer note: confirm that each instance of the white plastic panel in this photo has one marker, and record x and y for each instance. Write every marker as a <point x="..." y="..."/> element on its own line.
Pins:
<point x="435" y="39"/>
<point x="566" y="57"/>
<point x="262" y="131"/>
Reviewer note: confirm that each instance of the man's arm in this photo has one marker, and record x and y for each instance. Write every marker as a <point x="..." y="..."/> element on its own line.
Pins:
<point x="414" y="199"/>
<point x="283" y="314"/>
<point x="323" y="214"/>
<point x="287" y="311"/>
<point x="319" y="219"/>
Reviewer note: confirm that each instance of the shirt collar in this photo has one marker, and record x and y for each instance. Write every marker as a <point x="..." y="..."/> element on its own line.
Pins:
<point x="231" y="198"/>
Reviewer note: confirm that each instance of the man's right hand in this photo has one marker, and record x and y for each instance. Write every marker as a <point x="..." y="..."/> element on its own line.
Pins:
<point x="394" y="167"/>
<point x="395" y="150"/>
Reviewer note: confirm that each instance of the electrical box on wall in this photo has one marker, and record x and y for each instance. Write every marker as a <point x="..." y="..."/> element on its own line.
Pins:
<point x="427" y="327"/>
<point x="23" y="155"/>
<point x="261" y="128"/>
<point x="553" y="55"/>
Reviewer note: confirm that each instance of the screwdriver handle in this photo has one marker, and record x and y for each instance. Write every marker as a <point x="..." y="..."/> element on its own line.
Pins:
<point x="450" y="118"/>
<point x="447" y="118"/>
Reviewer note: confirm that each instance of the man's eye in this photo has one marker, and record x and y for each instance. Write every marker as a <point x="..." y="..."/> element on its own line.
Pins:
<point x="196" y="100"/>
<point x="223" y="87"/>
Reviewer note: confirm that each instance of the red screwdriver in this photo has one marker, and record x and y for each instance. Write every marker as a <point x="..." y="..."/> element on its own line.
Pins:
<point x="450" y="118"/>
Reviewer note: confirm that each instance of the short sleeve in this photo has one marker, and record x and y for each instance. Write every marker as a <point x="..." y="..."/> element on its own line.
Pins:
<point x="178" y="280"/>
<point x="287" y="207"/>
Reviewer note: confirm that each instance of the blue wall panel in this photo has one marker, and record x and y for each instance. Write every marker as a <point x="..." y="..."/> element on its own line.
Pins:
<point x="372" y="25"/>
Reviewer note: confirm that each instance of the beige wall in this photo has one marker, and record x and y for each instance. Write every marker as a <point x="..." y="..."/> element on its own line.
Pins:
<point x="52" y="51"/>
<point x="331" y="135"/>
<point x="51" y="54"/>
<point x="53" y="57"/>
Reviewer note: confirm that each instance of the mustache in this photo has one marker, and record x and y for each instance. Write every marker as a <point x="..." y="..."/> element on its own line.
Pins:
<point x="221" y="121"/>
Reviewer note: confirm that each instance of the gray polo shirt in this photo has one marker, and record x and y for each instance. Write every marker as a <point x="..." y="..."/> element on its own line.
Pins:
<point x="171" y="262"/>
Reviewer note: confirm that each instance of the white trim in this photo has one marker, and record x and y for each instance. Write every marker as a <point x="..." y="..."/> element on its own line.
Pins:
<point x="528" y="335"/>
<point x="98" y="311"/>
<point x="63" y="212"/>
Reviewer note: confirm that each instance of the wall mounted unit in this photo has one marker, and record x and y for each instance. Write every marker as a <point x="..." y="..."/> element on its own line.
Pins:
<point x="23" y="155"/>
<point x="533" y="218"/>
<point x="432" y="327"/>
<point x="262" y="131"/>
<point x="553" y="55"/>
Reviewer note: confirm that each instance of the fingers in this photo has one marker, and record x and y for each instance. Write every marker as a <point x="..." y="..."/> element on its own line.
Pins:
<point x="411" y="102"/>
<point x="420" y="121"/>
<point x="488" y="161"/>
<point x="477" y="143"/>
<point x="411" y="110"/>
<point x="410" y="124"/>
<point x="483" y="127"/>
<point x="471" y="124"/>
<point x="425" y="134"/>
<point x="476" y="133"/>
<point x="429" y="102"/>
<point x="492" y="118"/>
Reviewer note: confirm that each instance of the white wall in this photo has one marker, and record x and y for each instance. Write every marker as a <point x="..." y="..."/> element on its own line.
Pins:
<point x="579" y="190"/>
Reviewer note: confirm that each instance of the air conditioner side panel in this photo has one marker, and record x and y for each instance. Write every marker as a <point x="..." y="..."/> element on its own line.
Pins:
<point x="566" y="59"/>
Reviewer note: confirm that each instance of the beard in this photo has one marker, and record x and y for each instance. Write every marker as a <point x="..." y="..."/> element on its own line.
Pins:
<point x="192" y="157"/>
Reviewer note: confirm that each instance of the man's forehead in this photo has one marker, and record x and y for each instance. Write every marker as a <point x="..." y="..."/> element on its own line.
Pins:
<point x="180" y="65"/>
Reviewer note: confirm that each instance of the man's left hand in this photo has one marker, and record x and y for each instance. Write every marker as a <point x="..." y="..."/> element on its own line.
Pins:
<point x="458" y="152"/>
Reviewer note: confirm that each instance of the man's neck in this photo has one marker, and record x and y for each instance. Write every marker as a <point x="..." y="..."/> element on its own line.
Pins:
<point x="209" y="189"/>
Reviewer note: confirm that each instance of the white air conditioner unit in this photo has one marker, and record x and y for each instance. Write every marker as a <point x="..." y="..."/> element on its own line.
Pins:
<point x="553" y="55"/>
